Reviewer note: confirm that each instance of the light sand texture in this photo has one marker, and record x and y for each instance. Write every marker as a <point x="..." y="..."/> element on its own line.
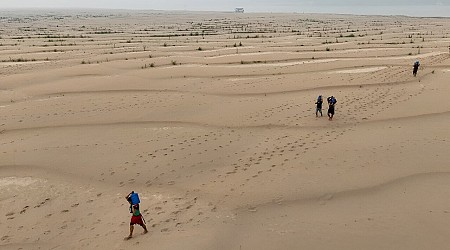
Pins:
<point x="210" y="118"/>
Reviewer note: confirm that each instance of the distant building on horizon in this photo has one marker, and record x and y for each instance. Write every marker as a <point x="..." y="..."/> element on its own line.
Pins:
<point x="239" y="10"/>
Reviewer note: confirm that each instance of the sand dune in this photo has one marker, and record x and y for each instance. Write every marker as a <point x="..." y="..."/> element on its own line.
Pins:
<point x="211" y="118"/>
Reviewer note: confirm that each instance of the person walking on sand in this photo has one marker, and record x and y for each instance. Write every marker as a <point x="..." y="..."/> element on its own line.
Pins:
<point x="319" y="106"/>
<point x="416" y="68"/>
<point x="331" y="102"/>
<point x="136" y="217"/>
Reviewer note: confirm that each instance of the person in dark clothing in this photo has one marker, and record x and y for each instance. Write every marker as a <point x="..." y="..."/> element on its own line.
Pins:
<point x="319" y="106"/>
<point x="416" y="68"/>
<point x="331" y="103"/>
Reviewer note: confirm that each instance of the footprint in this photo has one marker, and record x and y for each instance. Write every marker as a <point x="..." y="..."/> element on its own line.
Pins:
<point x="24" y="210"/>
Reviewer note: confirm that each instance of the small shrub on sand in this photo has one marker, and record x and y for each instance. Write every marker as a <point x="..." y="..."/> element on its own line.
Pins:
<point x="174" y="62"/>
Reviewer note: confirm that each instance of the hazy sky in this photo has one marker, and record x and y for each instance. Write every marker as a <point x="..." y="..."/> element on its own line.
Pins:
<point x="408" y="7"/>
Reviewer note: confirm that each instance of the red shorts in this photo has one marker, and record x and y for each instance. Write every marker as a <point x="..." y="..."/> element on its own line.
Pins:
<point x="136" y="220"/>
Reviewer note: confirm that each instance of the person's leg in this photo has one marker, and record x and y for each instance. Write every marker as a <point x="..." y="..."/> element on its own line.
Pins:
<point x="131" y="231"/>
<point x="320" y="112"/>
<point x="145" y="228"/>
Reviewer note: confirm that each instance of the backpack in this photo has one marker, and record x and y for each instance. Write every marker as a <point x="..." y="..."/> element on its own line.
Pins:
<point x="333" y="100"/>
<point x="135" y="198"/>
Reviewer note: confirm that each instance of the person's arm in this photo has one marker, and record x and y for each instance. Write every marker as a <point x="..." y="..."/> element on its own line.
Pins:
<point x="128" y="195"/>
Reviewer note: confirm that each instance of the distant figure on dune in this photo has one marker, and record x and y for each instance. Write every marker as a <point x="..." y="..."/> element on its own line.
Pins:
<point x="331" y="102"/>
<point x="416" y="68"/>
<point x="136" y="218"/>
<point x="319" y="105"/>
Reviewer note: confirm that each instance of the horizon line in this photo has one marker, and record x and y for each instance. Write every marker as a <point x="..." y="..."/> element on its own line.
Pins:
<point x="209" y="11"/>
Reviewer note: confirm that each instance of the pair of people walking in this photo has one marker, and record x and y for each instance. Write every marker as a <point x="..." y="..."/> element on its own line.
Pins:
<point x="331" y="103"/>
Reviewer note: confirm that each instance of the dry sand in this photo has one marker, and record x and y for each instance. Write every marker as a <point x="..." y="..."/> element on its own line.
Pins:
<point x="219" y="139"/>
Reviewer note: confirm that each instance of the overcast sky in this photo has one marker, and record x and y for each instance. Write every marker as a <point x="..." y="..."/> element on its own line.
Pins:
<point x="408" y="7"/>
